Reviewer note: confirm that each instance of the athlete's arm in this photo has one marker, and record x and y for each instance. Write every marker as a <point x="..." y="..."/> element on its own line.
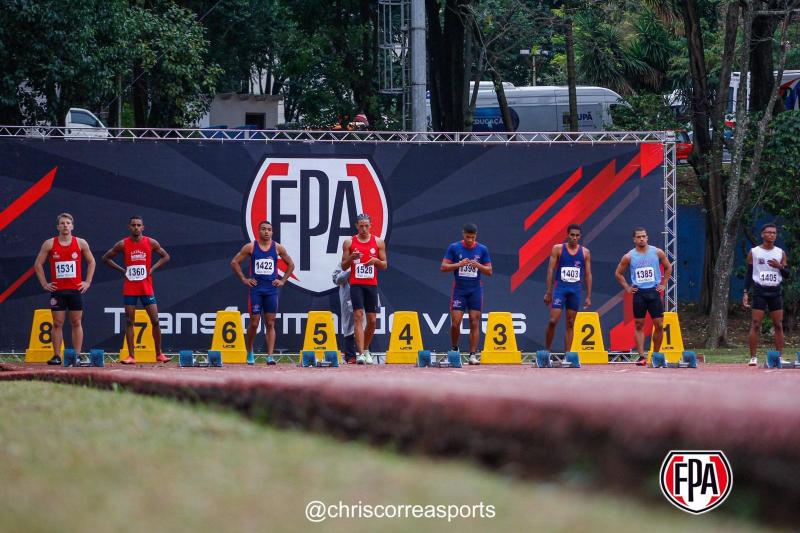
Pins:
<point x="447" y="262"/>
<point x="246" y="251"/>
<point x="748" y="281"/>
<point x="551" y="266"/>
<point x="662" y="257"/>
<point x="623" y="265"/>
<point x="281" y="249"/>
<point x="90" y="265"/>
<point x="156" y="247"/>
<point x="108" y="257"/>
<point x="380" y="260"/>
<point x="38" y="267"/>
<point x="347" y="256"/>
<point x="784" y="266"/>
<point x="485" y="264"/>
<point x="587" y="257"/>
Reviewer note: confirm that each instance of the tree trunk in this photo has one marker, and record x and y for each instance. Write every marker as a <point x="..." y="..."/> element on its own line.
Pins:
<point x="139" y="98"/>
<point x="501" y="100"/>
<point x="761" y="63"/>
<point x="434" y="45"/>
<point x="571" y="75"/>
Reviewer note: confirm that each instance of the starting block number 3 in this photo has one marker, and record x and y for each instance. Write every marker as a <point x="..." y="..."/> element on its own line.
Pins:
<point x="500" y="344"/>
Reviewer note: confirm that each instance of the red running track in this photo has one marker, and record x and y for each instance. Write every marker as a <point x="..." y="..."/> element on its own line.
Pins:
<point x="603" y="426"/>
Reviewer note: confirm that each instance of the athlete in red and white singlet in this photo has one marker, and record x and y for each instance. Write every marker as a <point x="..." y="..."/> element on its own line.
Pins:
<point x="138" y="253"/>
<point x="66" y="285"/>
<point x="365" y="253"/>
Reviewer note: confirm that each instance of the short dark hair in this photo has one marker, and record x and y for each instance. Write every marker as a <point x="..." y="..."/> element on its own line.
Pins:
<point x="637" y="230"/>
<point x="264" y="222"/>
<point x="362" y="216"/>
<point x="769" y="225"/>
<point x="469" y="227"/>
<point x="572" y="227"/>
<point x="135" y="217"/>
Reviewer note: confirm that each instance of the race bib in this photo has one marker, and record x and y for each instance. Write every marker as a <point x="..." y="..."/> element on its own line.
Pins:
<point x="570" y="274"/>
<point x="265" y="267"/>
<point x="65" y="269"/>
<point x="365" y="271"/>
<point x="136" y="273"/>
<point x="468" y="271"/>
<point x="769" y="279"/>
<point x="645" y="275"/>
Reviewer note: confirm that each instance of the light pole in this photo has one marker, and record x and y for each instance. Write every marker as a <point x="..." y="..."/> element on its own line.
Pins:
<point x="533" y="52"/>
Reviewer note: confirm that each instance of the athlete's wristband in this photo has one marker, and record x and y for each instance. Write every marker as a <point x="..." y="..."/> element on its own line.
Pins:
<point x="785" y="272"/>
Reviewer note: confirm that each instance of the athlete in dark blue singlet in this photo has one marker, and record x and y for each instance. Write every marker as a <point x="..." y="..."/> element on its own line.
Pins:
<point x="570" y="264"/>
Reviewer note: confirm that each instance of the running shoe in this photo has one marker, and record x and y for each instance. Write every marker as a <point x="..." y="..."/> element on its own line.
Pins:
<point x="270" y="360"/>
<point x="251" y="359"/>
<point x="368" y="357"/>
<point x="161" y="358"/>
<point x="55" y="360"/>
<point x="642" y="361"/>
<point x="753" y="361"/>
<point x="129" y="361"/>
<point x="473" y="359"/>
<point x="360" y="359"/>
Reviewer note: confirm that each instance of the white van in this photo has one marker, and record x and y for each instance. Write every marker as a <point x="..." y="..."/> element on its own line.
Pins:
<point x="83" y="123"/>
<point x="545" y="108"/>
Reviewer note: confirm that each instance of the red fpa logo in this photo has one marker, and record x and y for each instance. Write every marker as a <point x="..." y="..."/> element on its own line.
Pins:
<point x="696" y="481"/>
<point x="312" y="204"/>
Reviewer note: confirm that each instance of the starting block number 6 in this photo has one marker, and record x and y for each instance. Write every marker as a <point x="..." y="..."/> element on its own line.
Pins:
<point x="229" y="332"/>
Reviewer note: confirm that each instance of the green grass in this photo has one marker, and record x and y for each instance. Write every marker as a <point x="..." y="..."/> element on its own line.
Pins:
<point x="78" y="459"/>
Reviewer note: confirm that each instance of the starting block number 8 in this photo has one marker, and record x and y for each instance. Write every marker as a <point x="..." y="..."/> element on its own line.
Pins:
<point x="40" y="345"/>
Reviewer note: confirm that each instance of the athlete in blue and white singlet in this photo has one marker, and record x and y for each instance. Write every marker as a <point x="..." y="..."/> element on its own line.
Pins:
<point x="467" y="260"/>
<point x="264" y="282"/>
<point x="639" y="273"/>
<point x="569" y="266"/>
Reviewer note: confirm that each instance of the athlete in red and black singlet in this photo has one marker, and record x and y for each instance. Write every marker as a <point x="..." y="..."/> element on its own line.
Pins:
<point x="138" y="260"/>
<point x="361" y="274"/>
<point x="65" y="265"/>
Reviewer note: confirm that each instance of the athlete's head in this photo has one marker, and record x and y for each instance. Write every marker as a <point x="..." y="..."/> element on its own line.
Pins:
<point x="640" y="237"/>
<point x="363" y="224"/>
<point x="470" y="233"/>
<point x="769" y="232"/>
<point x="265" y="230"/>
<point x="136" y="225"/>
<point x="64" y="223"/>
<point x="573" y="234"/>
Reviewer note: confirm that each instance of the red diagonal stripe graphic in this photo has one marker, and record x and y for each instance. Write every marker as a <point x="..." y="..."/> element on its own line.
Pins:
<point x="14" y="286"/>
<point x="553" y="198"/>
<point x="28" y="198"/>
<point x="577" y="210"/>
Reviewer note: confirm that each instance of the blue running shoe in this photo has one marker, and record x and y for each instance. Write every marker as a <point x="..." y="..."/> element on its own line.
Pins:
<point x="270" y="360"/>
<point x="251" y="360"/>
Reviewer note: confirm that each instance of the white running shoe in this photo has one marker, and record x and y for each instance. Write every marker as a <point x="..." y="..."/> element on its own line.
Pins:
<point x="753" y="361"/>
<point x="360" y="359"/>
<point x="368" y="357"/>
<point x="473" y="359"/>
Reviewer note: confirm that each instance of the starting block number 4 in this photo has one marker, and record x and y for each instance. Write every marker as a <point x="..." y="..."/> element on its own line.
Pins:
<point x="500" y="342"/>
<point x="144" y="349"/>
<point x="320" y="337"/>
<point x="228" y="337"/>
<point x="672" y="340"/>
<point x="406" y="339"/>
<point x="40" y="346"/>
<point x="587" y="339"/>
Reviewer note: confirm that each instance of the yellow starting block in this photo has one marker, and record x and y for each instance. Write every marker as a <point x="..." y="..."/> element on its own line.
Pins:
<point x="144" y="349"/>
<point x="229" y="338"/>
<point x="320" y="336"/>
<point x="500" y="342"/>
<point x="587" y="339"/>
<point x="672" y="341"/>
<point x="40" y="346"/>
<point x="405" y="340"/>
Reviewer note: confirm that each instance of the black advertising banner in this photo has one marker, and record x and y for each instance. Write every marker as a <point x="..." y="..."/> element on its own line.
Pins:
<point x="202" y="200"/>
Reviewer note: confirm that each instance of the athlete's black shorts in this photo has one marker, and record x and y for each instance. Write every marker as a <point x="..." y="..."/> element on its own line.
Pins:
<point x="647" y="301"/>
<point x="364" y="297"/>
<point x="66" y="300"/>
<point x="767" y="298"/>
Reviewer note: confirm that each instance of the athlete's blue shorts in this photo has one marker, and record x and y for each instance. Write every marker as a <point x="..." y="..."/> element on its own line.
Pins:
<point x="566" y="297"/>
<point x="467" y="299"/>
<point x="146" y="299"/>
<point x="263" y="301"/>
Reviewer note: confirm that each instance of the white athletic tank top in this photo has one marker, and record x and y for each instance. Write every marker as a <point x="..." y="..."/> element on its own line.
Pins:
<point x="763" y="274"/>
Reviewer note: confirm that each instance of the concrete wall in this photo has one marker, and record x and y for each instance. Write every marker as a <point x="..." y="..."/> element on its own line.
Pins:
<point x="230" y="109"/>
